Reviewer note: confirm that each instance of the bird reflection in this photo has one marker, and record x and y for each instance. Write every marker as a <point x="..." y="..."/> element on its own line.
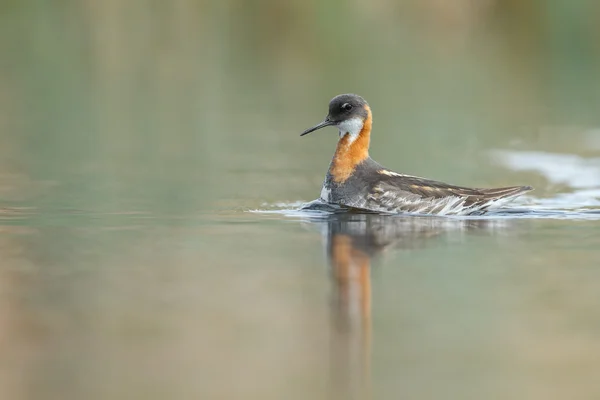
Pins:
<point x="352" y="241"/>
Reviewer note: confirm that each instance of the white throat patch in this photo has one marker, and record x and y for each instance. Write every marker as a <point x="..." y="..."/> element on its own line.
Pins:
<point x="351" y="127"/>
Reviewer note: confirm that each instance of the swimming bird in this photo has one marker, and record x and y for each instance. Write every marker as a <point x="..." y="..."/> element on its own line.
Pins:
<point x="355" y="180"/>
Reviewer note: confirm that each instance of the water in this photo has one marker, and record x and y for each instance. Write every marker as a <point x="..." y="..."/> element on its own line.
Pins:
<point x="420" y="305"/>
<point x="277" y="301"/>
<point x="152" y="176"/>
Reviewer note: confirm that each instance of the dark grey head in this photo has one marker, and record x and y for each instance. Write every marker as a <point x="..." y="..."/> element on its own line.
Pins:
<point x="345" y="109"/>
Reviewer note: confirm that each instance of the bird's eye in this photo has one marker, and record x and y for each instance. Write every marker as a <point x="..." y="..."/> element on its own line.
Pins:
<point x="346" y="106"/>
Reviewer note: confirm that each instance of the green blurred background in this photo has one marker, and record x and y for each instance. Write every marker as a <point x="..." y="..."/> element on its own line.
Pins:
<point x="137" y="134"/>
<point x="207" y="97"/>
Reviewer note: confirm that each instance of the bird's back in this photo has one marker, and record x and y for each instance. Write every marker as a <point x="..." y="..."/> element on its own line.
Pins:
<point x="375" y="188"/>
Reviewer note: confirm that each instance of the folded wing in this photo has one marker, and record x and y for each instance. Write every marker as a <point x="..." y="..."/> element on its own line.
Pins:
<point x="404" y="193"/>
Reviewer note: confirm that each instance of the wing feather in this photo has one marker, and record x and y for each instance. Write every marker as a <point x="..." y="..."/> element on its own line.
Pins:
<point x="404" y="193"/>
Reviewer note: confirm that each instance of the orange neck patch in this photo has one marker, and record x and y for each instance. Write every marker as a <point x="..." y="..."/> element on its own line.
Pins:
<point x="349" y="154"/>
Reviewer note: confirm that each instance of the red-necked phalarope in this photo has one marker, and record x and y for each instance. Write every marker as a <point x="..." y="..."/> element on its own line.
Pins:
<point x="355" y="180"/>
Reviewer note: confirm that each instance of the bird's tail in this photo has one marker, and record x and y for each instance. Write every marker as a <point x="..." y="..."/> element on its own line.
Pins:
<point x="505" y="192"/>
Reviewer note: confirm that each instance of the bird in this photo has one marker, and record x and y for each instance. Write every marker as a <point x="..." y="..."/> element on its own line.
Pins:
<point x="355" y="181"/>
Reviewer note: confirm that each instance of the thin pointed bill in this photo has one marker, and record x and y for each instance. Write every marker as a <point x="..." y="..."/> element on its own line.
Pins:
<point x="318" y="126"/>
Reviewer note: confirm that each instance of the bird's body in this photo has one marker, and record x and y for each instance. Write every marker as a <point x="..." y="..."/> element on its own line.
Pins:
<point x="357" y="181"/>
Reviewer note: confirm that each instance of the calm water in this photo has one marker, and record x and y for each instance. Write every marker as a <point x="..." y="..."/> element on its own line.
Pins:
<point x="236" y="302"/>
<point x="151" y="174"/>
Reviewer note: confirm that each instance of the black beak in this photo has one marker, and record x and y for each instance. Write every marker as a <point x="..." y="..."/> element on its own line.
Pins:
<point x="323" y="124"/>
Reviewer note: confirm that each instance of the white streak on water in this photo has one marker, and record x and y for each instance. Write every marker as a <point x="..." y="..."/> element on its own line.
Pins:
<point x="567" y="169"/>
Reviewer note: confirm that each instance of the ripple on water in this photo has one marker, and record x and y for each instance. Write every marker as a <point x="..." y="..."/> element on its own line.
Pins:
<point x="545" y="208"/>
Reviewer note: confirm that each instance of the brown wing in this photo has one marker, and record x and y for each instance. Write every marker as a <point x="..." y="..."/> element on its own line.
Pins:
<point x="395" y="192"/>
